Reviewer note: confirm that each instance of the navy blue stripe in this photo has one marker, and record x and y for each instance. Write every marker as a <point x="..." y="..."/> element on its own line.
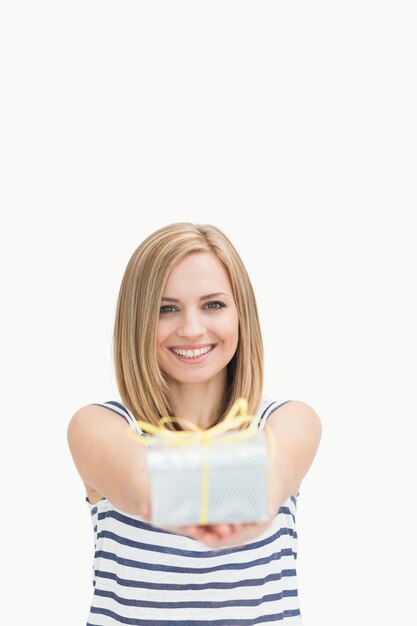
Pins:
<point x="105" y="405"/>
<point x="272" y="412"/>
<point x="197" y="604"/>
<point x="140" y="545"/>
<point x="242" y="548"/>
<point x="130" y="521"/>
<point x="159" y="567"/>
<point x="265" y="411"/>
<point x="276" y="617"/>
<point x="285" y="510"/>
<point x="118" y="404"/>
<point x="248" y="582"/>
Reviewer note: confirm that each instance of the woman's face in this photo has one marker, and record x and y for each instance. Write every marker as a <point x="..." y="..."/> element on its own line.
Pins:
<point x="189" y="320"/>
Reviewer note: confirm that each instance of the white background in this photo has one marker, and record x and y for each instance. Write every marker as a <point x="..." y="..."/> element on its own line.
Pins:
<point x="292" y="127"/>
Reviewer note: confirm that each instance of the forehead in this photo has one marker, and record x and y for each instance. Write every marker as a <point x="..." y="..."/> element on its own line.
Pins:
<point x="198" y="272"/>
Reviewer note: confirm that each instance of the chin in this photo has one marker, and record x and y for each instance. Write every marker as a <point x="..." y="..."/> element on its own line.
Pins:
<point x="191" y="379"/>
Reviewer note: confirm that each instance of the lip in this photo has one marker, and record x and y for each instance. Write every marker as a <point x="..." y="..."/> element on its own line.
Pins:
<point x="204" y="345"/>
<point x="196" y="360"/>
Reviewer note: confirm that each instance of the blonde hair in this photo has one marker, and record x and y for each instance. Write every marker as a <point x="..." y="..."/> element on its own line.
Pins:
<point x="140" y="381"/>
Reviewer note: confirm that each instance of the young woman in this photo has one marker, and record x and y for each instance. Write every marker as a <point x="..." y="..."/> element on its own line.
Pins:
<point x="187" y="343"/>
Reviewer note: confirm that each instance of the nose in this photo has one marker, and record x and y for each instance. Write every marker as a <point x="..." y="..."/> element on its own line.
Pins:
<point x="192" y="324"/>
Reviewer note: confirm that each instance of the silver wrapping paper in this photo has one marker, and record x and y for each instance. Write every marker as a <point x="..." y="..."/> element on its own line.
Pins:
<point x="237" y="481"/>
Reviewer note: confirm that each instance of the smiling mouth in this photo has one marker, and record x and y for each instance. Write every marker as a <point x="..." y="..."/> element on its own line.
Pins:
<point x="192" y="355"/>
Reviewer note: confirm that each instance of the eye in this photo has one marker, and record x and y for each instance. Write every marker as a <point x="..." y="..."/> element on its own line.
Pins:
<point x="166" y="306"/>
<point x="220" y="304"/>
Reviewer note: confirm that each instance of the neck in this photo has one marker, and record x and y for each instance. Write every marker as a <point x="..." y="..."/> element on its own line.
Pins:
<point x="199" y="403"/>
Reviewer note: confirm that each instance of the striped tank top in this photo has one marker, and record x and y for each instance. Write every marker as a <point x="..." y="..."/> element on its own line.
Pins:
<point x="146" y="576"/>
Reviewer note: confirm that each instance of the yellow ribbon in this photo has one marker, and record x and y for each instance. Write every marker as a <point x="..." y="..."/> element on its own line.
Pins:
<point x="197" y="435"/>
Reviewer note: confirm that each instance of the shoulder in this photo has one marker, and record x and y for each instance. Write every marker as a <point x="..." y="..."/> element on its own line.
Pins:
<point x="296" y="413"/>
<point x="94" y="417"/>
<point x="295" y="407"/>
<point x="297" y="421"/>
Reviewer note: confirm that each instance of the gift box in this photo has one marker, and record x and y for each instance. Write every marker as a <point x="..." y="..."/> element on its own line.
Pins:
<point x="212" y="476"/>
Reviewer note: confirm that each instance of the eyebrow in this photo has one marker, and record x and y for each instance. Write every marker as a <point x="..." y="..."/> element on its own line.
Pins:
<point x="209" y="295"/>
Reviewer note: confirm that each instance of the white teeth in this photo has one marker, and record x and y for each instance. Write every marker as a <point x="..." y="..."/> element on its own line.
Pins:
<point x="192" y="354"/>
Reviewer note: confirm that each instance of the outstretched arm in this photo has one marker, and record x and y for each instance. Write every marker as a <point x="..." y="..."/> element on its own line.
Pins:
<point x="296" y="428"/>
<point x="108" y="460"/>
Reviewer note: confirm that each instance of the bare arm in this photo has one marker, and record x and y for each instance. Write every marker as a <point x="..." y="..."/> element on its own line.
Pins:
<point x="108" y="460"/>
<point x="296" y="428"/>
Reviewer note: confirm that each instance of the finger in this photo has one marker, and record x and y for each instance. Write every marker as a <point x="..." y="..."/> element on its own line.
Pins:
<point x="147" y="510"/>
<point x="192" y="531"/>
<point x="223" y="530"/>
<point x="236" y="528"/>
<point x="212" y="540"/>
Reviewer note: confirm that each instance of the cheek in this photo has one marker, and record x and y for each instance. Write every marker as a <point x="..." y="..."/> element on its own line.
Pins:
<point x="230" y="328"/>
<point x="162" y="333"/>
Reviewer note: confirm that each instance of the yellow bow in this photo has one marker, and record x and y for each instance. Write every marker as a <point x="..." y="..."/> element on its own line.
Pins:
<point x="180" y="438"/>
